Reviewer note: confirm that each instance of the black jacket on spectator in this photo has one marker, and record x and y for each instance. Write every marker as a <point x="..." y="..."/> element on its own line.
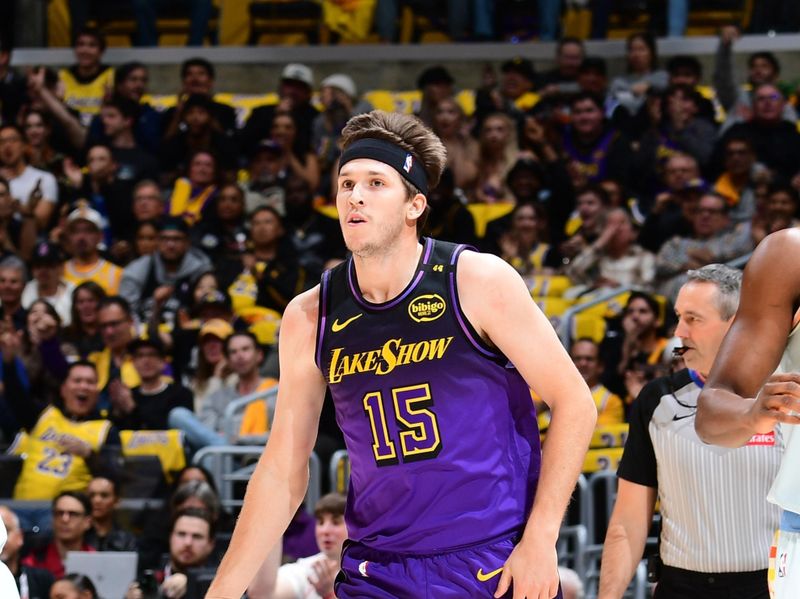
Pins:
<point x="114" y="200"/>
<point x="38" y="581"/>
<point x="13" y="94"/>
<point x="776" y="146"/>
<point x="147" y="130"/>
<point x="259" y="124"/>
<point x="175" y="152"/>
<point x="116" y="540"/>
<point x="152" y="409"/>
<point x="224" y="114"/>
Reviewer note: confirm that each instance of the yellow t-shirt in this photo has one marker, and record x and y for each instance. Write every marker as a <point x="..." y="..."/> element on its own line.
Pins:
<point x="87" y="97"/>
<point x="256" y="420"/>
<point x="46" y="470"/>
<point x="610" y="409"/>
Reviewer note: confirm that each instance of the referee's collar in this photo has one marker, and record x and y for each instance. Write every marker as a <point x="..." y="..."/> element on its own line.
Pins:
<point x="697" y="378"/>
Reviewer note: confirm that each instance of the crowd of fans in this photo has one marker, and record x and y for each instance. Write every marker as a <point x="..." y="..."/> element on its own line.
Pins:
<point x="147" y="255"/>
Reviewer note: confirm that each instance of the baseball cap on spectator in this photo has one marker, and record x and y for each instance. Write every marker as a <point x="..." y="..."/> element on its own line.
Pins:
<point x="46" y="254"/>
<point x="342" y="82"/>
<point x="215" y="297"/>
<point x="174" y="223"/>
<point x="216" y="327"/>
<point x="266" y="145"/>
<point x="296" y="71"/>
<point x="153" y="342"/>
<point x="87" y="214"/>
<point x="520" y="65"/>
<point x="432" y="75"/>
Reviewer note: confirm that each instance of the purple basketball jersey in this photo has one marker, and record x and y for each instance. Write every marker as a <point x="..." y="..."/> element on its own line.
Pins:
<point x="440" y="428"/>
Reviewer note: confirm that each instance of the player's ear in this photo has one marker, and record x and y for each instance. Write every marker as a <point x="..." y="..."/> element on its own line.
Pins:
<point x="416" y="207"/>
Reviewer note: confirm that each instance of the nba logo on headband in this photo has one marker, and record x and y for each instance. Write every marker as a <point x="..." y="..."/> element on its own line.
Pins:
<point x="408" y="163"/>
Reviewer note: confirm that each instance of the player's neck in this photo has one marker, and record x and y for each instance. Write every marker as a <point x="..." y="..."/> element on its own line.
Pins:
<point x="382" y="277"/>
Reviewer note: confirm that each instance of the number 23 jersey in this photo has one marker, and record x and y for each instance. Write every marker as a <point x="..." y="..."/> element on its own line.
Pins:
<point x="440" y="429"/>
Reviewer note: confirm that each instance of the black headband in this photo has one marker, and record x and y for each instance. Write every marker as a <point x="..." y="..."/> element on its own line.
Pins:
<point x="385" y="151"/>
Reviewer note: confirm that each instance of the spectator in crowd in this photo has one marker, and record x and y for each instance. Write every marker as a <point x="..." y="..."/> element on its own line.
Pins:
<point x="103" y="190"/>
<point x="147" y="11"/>
<point x="780" y="212"/>
<point x="130" y="82"/>
<point x="762" y="67"/>
<point x="37" y="581"/>
<point x="244" y="356"/>
<point x="41" y="155"/>
<point x="463" y="152"/>
<point x="45" y="94"/>
<point x="585" y="354"/>
<point x="119" y="115"/>
<point x="63" y="461"/>
<point x="586" y="224"/>
<point x="17" y="225"/>
<point x="633" y="346"/>
<point x="339" y="97"/>
<point x="512" y="96"/>
<point x="83" y="332"/>
<point x="154" y="278"/>
<point x="105" y="534"/>
<point x="191" y="545"/>
<point x="309" y="577"/>
<point x="197" y="77"/>
<point x="710" y="540"/>
<point x="147" y="405"/>
<point x="449" y="220"/>
<point x="148" y="203"/>
<point x="710" y="241"/>
<point x="83" y="238"/>
<point x="115" y="370"/>
<point x="13" y="275"/>
<point x="88" y="81"/>
<point x="775" y="140"/>
<point x="195" y="130"/>
<point x="222" y="234"/>
<point x="738" y="181"/>
<point x="614" y="259"/>
<point x="272" y="274"/>
<point x="594" y="149"/>
<point x="522" y="245"/>
<point x="294" y="93"/>
<point x="562" y="79"/>
<point x="687" y="70"/>
<point x="12" y="84"/>
<point x="34" y="189"/>
<point x="283" y="133"/>
<point x="498" y="151"/>
<point x="642" y="74"/>
<point x="193" y="194"/>
<point x="435" y="84"/>
<point x="212" y="367"/>
<point x="74" y="586"/>
<point x="267" y="176"/>
<point x="673" y="206"/>
<point x="71" y="521"/>
<point x="47" y="267"/>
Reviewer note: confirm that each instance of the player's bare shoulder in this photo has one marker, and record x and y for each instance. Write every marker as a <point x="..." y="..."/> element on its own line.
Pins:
<point x="299" y="323"/>
<point x="775" y="259"/>
<point x="477" y="269"/>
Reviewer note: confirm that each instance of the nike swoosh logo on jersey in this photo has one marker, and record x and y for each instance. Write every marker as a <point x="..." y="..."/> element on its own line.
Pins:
<point x="488" y="576"/>
<point x="337" y="326"/>
<point x="675" y="417"/>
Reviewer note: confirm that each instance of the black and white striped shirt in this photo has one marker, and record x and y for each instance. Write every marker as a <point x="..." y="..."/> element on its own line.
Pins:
<point x="715" y="515"/>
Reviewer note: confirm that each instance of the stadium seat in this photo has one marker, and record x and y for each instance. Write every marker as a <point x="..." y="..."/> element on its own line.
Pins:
<point x="287" y="17"/>
<point x="10" y="467"/>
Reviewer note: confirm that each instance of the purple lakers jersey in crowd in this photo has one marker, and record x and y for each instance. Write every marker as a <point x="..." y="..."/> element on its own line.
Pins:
<point x="440" y="427"/>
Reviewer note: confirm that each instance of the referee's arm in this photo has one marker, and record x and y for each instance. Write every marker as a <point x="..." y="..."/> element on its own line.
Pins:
<point x="626" y="537"/>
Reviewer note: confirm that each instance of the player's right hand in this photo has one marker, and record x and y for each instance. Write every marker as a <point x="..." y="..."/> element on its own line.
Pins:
<point x="778" y="401"/>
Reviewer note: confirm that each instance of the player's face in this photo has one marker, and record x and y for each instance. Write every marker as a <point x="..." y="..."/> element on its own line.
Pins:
<point x="331" y="533"/>
<point x="700" y="326"/>
<point x="190" y="543"/>
<point x="374" y="209"/>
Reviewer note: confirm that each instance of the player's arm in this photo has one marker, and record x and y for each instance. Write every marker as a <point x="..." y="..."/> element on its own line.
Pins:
<point x="626" y="537"/>
<point x="279" y="482"/>
<point x="733" y="406"/>
<point x="498" y="304"/>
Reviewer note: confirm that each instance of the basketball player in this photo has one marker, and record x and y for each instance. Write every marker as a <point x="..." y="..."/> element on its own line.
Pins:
<point x="743" y="397"/>
<point x="429" y="351"/>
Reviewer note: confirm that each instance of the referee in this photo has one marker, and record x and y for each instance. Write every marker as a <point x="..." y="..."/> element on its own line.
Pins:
<point x="716" y="523"/>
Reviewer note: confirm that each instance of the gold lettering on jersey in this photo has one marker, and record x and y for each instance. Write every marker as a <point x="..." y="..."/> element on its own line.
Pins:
<point x="386" y="358"/>
<point x="426" y="308"/>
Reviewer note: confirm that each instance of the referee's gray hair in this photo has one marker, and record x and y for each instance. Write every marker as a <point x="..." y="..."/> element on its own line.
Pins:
<point x="15" y="263"/>
<point x="728" y="281"/>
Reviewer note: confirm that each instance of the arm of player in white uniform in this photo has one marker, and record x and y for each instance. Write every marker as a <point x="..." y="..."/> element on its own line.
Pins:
<point x="279" y="482"/>
<point x="626" y="537"/>
<point x="740" y="397"/>
<point x="497" y="302"/>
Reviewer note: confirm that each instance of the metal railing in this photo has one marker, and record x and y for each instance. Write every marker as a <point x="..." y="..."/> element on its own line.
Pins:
<point x="566" y="324"/>
<point x="230" y="421"/>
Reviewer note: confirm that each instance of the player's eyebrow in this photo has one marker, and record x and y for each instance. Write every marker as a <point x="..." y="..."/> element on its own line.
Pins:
<point x="345" y="173"/>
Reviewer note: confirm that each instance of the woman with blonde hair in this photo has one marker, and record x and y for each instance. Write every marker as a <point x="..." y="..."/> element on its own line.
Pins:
<point x="498" y="153"/>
